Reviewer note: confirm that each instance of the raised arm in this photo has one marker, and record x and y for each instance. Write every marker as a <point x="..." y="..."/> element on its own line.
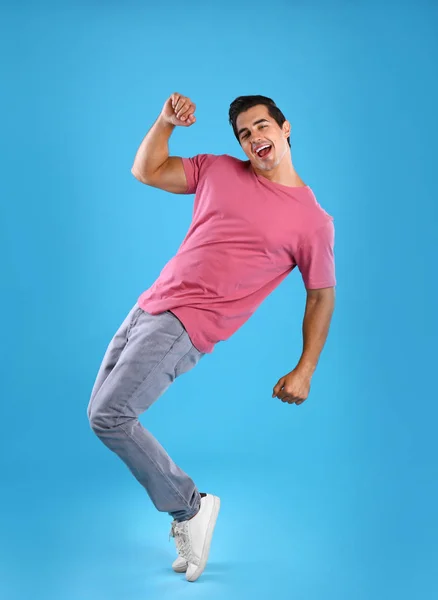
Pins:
<point x="152" y="164"/>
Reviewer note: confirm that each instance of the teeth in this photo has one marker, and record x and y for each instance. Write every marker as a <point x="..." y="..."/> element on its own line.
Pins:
<point x="262" y="148"/>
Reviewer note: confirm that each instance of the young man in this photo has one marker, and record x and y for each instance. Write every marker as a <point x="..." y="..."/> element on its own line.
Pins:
<point x="253" y="222"/>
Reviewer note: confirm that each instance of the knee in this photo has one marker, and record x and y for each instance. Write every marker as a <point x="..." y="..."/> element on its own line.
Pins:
<point x="100" y="420"/>
<point x="105" y="418"/>
<point x="96" y="421"/>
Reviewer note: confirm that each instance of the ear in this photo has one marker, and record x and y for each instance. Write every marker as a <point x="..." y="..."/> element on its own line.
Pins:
<point x="287" y="128"/>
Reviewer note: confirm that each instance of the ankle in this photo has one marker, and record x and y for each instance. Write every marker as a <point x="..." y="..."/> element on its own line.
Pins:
<point x="202" y="496"/>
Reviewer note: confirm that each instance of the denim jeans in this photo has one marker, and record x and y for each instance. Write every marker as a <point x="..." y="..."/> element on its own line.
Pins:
<point x="145" y="356"/>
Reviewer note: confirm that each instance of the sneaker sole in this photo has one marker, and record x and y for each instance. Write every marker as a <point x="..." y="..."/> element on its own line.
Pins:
<point x="207" y="542"/>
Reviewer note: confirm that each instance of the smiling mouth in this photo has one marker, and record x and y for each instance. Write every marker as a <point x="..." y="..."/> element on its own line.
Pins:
<point x="263" y="151"/>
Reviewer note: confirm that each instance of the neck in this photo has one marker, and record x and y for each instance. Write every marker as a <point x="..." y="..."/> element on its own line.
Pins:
<point x="284" y="173"/>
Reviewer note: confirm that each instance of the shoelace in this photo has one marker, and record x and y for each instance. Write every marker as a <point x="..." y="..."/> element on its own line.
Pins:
<point x="180" y="532"/>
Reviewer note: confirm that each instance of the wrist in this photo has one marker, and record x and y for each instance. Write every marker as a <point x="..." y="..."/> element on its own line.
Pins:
<point x="306" y="367"/>
<point x="165" y="122"/>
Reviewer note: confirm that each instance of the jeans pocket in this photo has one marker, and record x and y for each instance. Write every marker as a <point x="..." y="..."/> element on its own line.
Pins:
<point x="188" y="361"/>
<point x="135" y="316"/>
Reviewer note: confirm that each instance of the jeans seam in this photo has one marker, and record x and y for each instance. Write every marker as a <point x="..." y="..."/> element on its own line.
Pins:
<point x="143" y="381"/>
<point x="156" y="465"/>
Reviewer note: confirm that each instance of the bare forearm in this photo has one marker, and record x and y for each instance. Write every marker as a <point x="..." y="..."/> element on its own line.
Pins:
<point x="153" y="151"/>
<point x="316" y="324"/>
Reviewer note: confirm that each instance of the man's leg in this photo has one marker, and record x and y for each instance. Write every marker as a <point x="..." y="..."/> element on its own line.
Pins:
<point x="157" y="350"/>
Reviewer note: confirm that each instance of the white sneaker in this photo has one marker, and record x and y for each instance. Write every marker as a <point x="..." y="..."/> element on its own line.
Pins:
<point x="193" y="538"/>
<point x="180" y="565"/>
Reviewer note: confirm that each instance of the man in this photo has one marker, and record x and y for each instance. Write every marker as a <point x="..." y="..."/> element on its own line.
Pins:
<point x="253" y="222"/>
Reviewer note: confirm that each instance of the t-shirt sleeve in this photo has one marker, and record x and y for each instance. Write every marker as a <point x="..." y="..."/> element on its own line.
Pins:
<point x="315" y="258"/>
<point x="195" y="169"/>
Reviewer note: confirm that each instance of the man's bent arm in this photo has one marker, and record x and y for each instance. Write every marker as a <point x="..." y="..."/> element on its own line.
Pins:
<point x="320" y="305"/>
<point x="153" y="151"/>
<point x="152" y="164"/>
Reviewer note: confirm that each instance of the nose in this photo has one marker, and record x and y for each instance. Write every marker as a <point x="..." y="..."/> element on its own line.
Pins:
<point x="255" y="139"/>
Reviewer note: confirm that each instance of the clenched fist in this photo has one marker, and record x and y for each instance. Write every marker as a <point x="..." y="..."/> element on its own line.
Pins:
<point x="293" y="387"/>
<point x="179" y="110"/>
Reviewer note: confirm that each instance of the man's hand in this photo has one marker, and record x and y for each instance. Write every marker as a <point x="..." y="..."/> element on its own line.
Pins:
<point x="293" y="387"/>
<point x="179" y="110"/>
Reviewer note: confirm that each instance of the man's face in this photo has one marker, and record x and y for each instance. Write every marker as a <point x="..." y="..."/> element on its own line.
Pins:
<point x="262" y="139"/>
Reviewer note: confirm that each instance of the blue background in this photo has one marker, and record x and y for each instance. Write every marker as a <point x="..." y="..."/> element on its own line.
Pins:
<point x="335" y="499"/>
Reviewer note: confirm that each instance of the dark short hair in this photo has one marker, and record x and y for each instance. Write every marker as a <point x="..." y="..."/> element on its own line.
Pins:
<point x="243" y="103"/>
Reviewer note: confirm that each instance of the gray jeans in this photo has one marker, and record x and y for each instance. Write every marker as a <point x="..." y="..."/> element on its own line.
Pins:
<point x="145" y="356"/>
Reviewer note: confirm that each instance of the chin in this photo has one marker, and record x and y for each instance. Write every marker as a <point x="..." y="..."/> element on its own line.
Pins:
<point x="265" y="165"/>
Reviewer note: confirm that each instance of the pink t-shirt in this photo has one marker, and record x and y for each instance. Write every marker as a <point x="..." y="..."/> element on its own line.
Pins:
<point x="247" y="234"/>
